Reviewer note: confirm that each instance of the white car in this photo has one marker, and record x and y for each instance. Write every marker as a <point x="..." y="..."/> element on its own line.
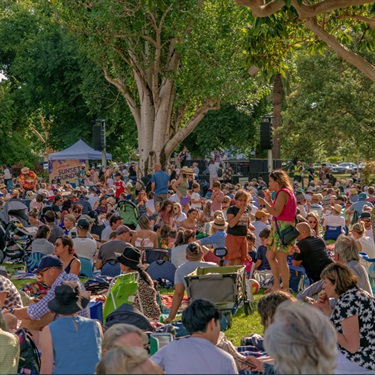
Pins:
<point x="344" y="168"/>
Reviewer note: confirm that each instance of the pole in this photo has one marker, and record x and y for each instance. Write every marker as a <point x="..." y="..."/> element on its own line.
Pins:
<point x="104" y="159"/>
<point x="270" y="161"/>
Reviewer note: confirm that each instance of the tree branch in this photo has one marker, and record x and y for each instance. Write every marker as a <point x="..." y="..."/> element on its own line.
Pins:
<point x="127" y="95"/>
<point x="359" y="62"/>
<point x="261" y="11"/>
<point x="190" y="126"/>
<point x="369" y="21"/>
<point x="307" y="11"/>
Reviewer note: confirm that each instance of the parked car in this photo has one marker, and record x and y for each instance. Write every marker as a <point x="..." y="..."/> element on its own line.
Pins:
<point x="344" y="168"/>
<point x="319" y="165"/>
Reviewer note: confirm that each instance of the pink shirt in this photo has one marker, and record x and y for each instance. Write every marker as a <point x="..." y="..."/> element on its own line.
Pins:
<point x="216" y="203"/>
<point x="289" y="211"/>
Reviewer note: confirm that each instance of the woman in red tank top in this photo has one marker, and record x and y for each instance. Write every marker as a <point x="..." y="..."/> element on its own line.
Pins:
<point x="283" y="209"/>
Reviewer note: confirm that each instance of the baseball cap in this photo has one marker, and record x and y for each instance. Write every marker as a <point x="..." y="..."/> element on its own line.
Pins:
<point x="122" y="229"/>
<point x="47" y="262"/>
<point x="83" y="224"/>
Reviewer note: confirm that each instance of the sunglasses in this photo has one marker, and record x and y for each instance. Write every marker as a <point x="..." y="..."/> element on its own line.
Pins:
<point x="77" y="212"/>
<point x="44" y="270"/>
<point x="56" y="244"/>
<point x="367" y="221"/>
<point x="312" y="222"/>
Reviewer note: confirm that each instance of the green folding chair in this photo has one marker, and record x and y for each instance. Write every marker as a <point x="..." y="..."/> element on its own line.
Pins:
<point x="122" y="289"/>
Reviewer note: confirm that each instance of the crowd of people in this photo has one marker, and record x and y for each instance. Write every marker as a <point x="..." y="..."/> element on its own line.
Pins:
<point x="80" y="230"/>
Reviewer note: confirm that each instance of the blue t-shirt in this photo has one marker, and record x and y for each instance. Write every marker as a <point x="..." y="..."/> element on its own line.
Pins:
<point x="215" y="240"/>
<point x="261" y="254"/>
<point x="161" y="180"/>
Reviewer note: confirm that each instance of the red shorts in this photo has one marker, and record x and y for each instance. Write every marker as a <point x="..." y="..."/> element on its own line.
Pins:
<point x="236" y="246"/>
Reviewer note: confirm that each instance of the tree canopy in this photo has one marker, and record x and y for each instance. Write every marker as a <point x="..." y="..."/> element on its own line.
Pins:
<point x="329" y="111"/>
<point x="172" y="64"/>
<point x="346" y="26"/>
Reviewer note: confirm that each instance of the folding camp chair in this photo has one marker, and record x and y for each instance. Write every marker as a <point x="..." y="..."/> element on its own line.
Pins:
<point x="121" y="290"/>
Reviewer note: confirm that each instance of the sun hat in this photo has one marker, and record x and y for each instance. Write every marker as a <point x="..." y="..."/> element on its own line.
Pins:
<point x="25" y="170"/>
<point x="186" y="170"/>
<point x="130" y="257"/>
<point x="337" y="208"/>
<point x="110" y="192"/>
<point x="69" y="298"/>
<point x="87" y="217"/>
<point x="30" y="195"/>
<point x="219" y="222"/>
<point x="260" y="213"/>
<point x="362" y="196"/>
<point x="353" y="191"/>
<point x="48" y="261"/>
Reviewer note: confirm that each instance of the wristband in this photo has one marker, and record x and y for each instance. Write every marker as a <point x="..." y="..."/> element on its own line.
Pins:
<point x="11" y="310"/>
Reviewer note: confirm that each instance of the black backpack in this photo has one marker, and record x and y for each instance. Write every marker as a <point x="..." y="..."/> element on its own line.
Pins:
<point x="130" y="315"/>
<point x="220" y="172"/>
<point x="29" y="362"/>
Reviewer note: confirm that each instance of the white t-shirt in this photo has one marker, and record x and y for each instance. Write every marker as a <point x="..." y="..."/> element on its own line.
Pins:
<point x="369" y="233"/>
<point x="334" y="221"/>
<point x="178" y="255"/>
<point x="195" y="196"/>
<point x="368" y="246"/>
<point x="194" y="355"/>
<point x="84" y="247"/>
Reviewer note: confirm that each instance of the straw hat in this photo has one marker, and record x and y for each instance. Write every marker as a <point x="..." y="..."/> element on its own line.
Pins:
<point x="260" y="213"/>
<point x="25" y="170"/>
<point x="337" y="208"/>
<point x="219" y="223"/>
<point x="186" y="170"/>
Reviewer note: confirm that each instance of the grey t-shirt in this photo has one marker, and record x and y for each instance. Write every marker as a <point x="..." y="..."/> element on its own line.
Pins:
<point x="194" y="355"/>
<point x="189" y="267"/>
<point x="107" y="251"/>
<point x="84" y="247"/>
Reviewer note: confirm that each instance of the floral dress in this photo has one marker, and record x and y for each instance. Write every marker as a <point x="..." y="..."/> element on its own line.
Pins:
<point x="355" y="301"/>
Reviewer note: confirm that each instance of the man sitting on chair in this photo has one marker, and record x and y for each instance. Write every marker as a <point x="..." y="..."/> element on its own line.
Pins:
<point x="313" y="255"/>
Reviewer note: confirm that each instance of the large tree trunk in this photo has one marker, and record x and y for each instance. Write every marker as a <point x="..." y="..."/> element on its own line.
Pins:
<point x="277" y="98"/>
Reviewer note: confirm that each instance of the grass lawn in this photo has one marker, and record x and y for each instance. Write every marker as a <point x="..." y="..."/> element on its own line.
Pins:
<point x="242" y="325"/>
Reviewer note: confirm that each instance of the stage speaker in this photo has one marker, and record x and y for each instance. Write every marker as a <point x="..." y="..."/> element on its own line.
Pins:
<point x="266" y="136"/>
<point x="98" y="137"/>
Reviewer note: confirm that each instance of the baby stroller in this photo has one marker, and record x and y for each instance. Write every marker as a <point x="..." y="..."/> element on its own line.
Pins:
<point x="129" y="213"/>
<point x="225" y="286"/>
<point x="15" y="240"/>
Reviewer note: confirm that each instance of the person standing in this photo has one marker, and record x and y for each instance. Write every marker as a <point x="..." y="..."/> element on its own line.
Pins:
<point x="159" y="184"/>
<point x="283" y="208"/>
<point x="311" y="173"/>
<point x="182" y="156"/>
<point x="212" y="170"/>
<point x="238" y="217"/>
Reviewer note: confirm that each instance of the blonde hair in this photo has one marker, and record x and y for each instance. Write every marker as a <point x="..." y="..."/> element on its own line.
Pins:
<point x="123" y="360"/>
<point x="301" y="340"/>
